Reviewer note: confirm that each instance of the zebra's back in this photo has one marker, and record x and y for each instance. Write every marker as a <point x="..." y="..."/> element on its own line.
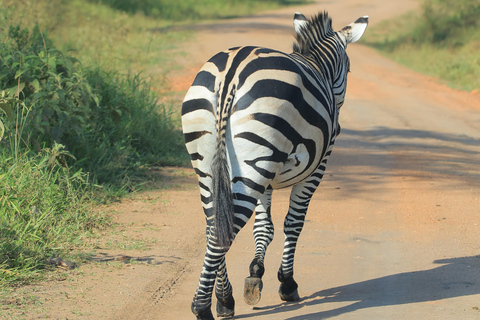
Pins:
<point x="279" y="116"/>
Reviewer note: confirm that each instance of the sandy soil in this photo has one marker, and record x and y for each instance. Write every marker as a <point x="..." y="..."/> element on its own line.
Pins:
<point x="392" y="232"/>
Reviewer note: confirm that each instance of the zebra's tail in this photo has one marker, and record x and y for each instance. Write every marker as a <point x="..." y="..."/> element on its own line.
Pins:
<point x="222" y="197"/>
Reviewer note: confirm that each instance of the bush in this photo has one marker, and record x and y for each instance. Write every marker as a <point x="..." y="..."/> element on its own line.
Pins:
<point x="448" y="20"/>
<point x="441" y="41"/>
<point x="112" y="125"/>
<point x="52" y="85"/>
<point x="443" y="23"/>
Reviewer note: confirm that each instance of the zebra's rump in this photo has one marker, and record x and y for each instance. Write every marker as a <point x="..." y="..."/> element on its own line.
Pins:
<point x="279" y="115"/>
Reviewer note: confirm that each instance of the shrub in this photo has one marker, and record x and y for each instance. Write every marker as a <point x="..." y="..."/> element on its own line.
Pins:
<point x="444" y="20"/>
<point x="111" y="124"/>
<point x="442" y="41"/>
<point x="50" y="83"/>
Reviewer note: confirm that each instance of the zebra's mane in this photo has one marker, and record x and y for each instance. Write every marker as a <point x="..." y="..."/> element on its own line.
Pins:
<point x="313" y="32"/>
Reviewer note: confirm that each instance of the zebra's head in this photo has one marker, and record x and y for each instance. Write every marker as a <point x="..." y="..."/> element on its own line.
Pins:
<point x="317" y="41"/>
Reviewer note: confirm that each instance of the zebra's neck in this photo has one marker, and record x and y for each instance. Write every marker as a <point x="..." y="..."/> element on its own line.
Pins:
<point x="323" y="74"/>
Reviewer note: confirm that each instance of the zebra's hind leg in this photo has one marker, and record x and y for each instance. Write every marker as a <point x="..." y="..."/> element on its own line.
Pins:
<point x="214" y="260"/>
<point x="214" y="267"/>
<point x="293" y="225"/>
<point x="263" y="233"/>
<point x="224" y="293"/>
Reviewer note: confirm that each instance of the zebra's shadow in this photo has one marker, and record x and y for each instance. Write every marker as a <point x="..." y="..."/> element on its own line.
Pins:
<point x="456" y="277"/>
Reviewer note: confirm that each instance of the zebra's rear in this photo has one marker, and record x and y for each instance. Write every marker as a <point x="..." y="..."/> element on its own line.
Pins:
<point x="256" y="119"/>
<point x="241" y="117"/>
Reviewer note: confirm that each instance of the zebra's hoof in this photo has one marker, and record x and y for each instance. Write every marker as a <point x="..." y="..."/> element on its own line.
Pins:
<point x="253" y="290"/>
<point x="226" y="307"/>
<point x="288" y="290"/>
<point x="204" y="314"/>
<point x="289" y="297"/>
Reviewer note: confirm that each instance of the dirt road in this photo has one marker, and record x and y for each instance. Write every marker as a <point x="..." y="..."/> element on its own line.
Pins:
<point x="392" y="232"/>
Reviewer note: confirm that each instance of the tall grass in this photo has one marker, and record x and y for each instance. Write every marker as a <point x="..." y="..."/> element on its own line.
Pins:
<point x="45" y="211"/>
<point x="443" y="40"/>
<point x="117" y="34"/>
<point x="448" y="22"/>
<point x="194" y="9"/>
<point x="132" y="130"/>
<point x="98" y="35"/>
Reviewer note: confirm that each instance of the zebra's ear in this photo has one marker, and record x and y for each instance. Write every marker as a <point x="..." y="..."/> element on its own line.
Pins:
<point x="354" y="30"/>
<point x="299" y="21"/>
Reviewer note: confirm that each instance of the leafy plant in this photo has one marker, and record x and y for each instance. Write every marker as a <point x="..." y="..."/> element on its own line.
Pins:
<point x="110" y="123"/>
<point x="50" y="83"/>
<point x="8" y="105"/>
<point x="6" y="108"/>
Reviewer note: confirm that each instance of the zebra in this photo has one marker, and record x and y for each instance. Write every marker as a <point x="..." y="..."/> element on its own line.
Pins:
<point x="257" y="119"/>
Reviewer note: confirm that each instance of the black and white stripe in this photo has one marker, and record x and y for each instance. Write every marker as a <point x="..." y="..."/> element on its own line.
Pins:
<point x="254" y="120"/>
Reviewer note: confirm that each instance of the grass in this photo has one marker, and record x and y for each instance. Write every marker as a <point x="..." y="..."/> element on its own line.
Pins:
<point x="442" y="40"/>
<point x="97" y="34"/>
<point x="44" y="212"/>
<point x="117" y="34"/>
<point x="191" y="10"/>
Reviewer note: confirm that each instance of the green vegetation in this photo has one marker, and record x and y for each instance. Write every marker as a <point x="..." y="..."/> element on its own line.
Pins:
<point x="117" y="34"/>
<point x="192" y="9"/>
<point x="442" y="41"/>
<point x="66" y="129"/>
<point x="79" y="119"/>
<point x="45" y="211"/>
<point x="97" y="35"/>
<point x="110" y="125"/>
